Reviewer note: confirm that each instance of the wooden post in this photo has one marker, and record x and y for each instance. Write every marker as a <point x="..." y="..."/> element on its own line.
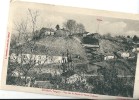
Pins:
<point x="99" y="20"/>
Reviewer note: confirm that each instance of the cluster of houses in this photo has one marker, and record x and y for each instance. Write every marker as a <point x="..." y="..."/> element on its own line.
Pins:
<point x="44" y="59"/>
<point x="122" y="54"/>
<point x="37" y="59"/>
<point x="51" y="32"/>
<point x="41" y="84"/>
<point x="91" y="40"/>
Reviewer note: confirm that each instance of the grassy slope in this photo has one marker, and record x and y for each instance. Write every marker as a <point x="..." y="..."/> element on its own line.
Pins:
<point x="59" y="45"/>
<point x="108" y="47"/>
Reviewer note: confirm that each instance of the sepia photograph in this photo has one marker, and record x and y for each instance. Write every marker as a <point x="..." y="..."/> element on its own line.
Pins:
<point x="54" y="49"/>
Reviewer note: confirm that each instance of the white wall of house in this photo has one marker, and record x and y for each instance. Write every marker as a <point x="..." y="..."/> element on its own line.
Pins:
<point x="49" y="33"/>
<point x="135" y="49"/>
<point x="108" y="57"/>
<point x="39" y="59"/>
<point x="125" y="54"/>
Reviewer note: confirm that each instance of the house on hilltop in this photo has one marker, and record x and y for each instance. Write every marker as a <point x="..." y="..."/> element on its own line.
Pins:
<point x="85" y="34"/>
<point x="93" y="35"/>
<point x="47" y="31"/>
<point x="90" y="41"/>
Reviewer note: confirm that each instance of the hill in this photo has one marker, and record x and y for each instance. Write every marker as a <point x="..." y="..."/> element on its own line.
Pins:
<point x="108" y="47"/>
<point x="54" y="46"/>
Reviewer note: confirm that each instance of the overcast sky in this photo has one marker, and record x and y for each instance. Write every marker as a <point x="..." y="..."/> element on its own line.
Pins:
<point x="114" y="26"/>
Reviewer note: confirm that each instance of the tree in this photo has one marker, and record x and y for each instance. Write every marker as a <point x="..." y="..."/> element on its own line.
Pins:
<point x="57" y="27"/>
<point x="71" y="26"/>
<point x="107" y="36"/>
<point x="80" y="28"/>
<point x="135" y="38"/>
<point x="33" y="15"/>
<point x="128" y="36"/>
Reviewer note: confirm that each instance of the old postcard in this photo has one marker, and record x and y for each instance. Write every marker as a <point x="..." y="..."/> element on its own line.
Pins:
<point x="69" y="51"/>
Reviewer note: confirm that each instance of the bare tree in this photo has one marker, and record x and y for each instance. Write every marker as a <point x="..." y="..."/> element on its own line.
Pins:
<point x="33" y="15"/>
<point x="25" y="59"/>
